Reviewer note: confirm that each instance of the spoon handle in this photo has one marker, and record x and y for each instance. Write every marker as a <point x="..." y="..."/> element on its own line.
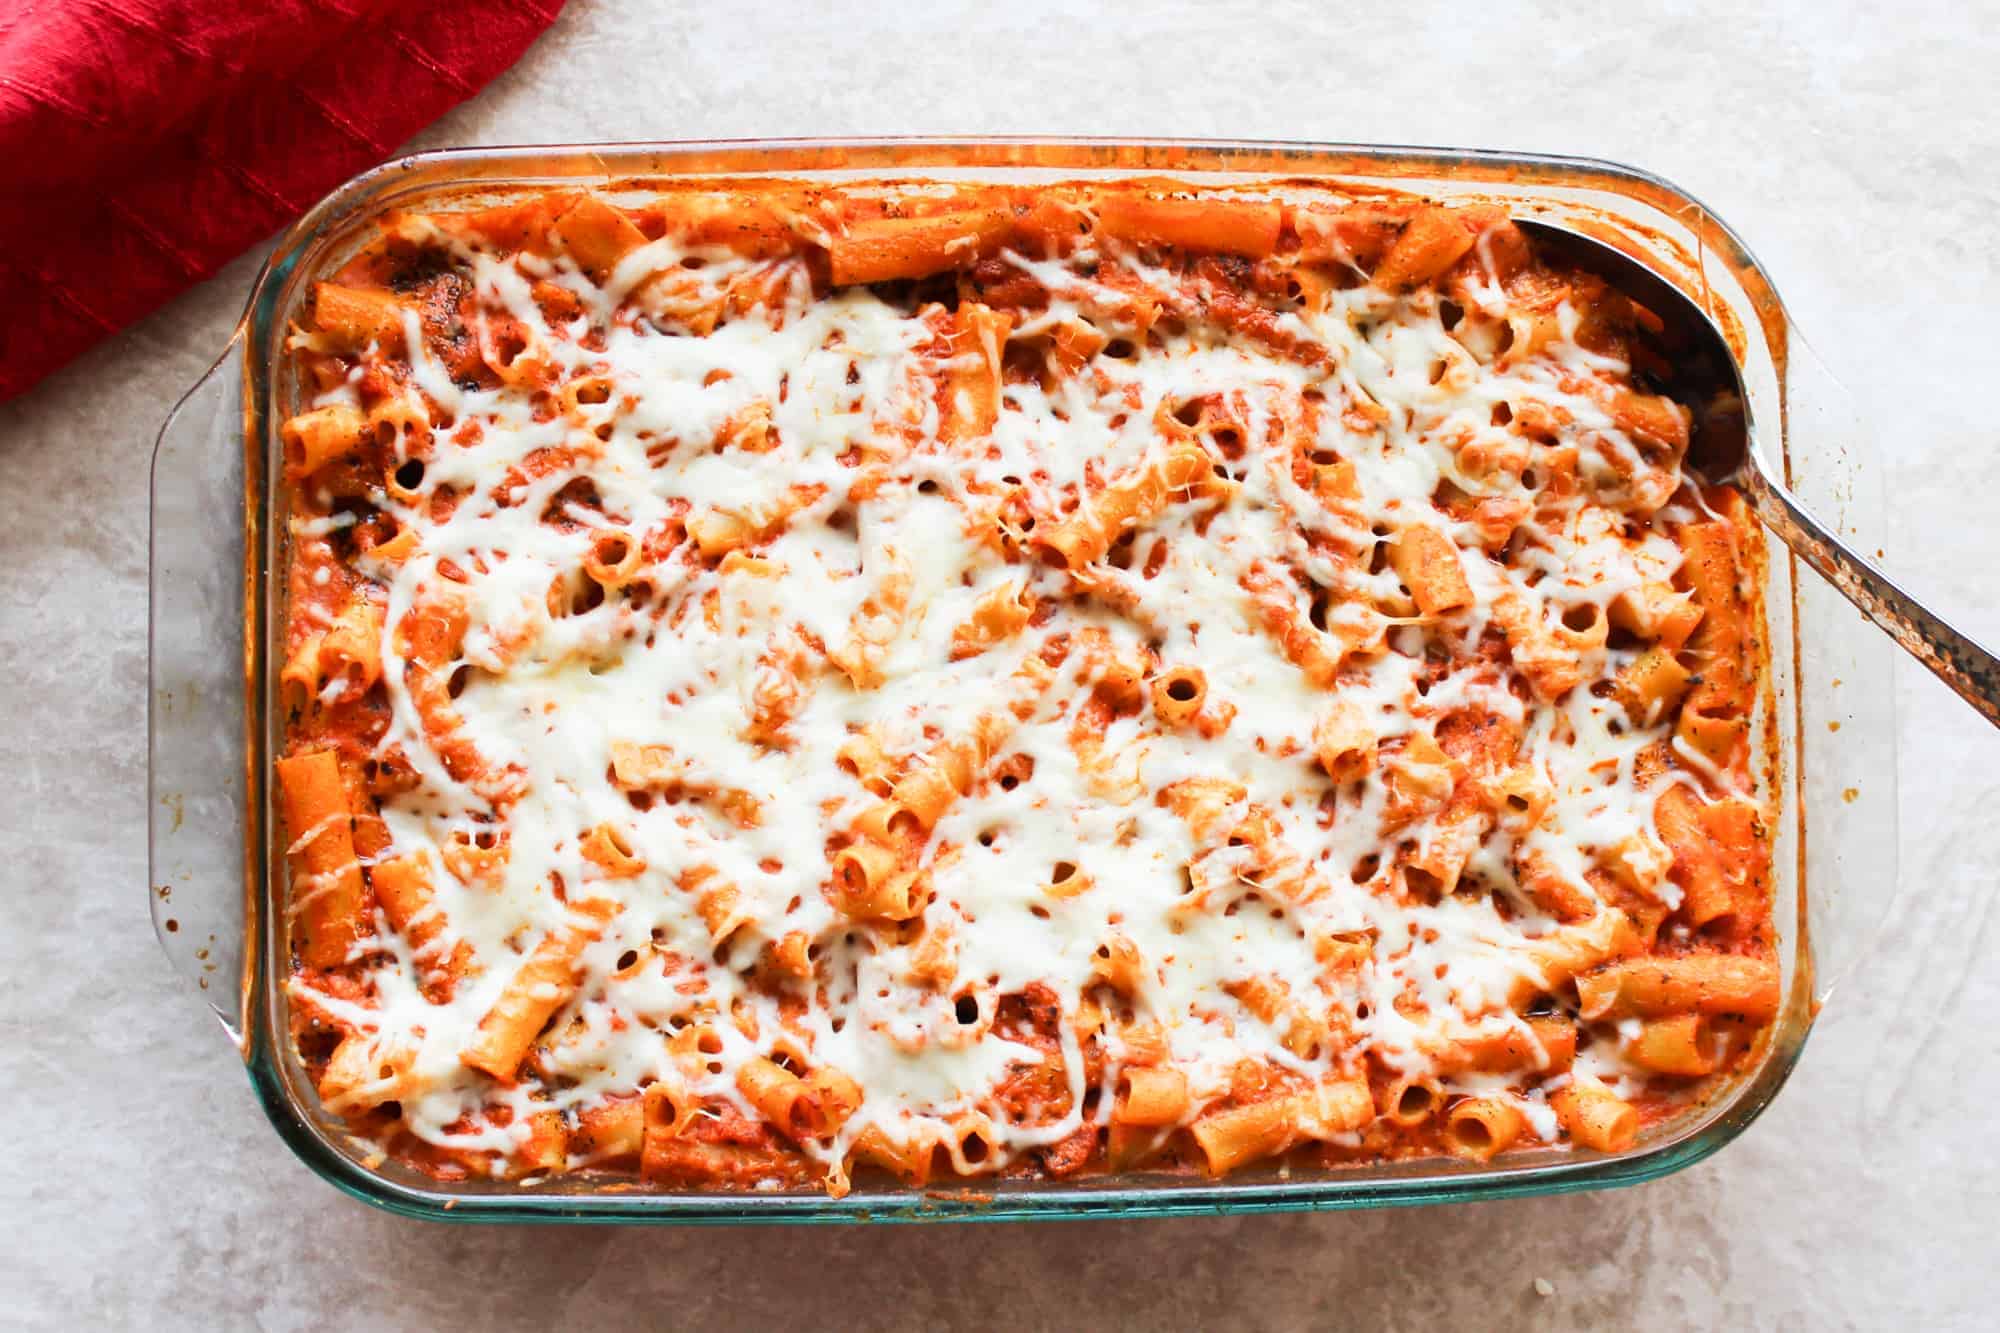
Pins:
<point x="1970" y="670"/>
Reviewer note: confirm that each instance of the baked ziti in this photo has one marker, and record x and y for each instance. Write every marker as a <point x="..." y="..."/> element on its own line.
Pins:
<point x="976" y="681"/>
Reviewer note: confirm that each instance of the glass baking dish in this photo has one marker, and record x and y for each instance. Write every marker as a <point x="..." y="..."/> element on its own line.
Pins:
<point x="215" y="863"/>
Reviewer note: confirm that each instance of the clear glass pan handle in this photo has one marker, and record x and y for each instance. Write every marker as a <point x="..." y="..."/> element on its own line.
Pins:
<point x="199" y="817"/>
<point x="1847" y="711"/>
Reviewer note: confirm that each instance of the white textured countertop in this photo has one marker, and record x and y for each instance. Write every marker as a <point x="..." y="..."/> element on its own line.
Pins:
<point x="1853" y="146"/>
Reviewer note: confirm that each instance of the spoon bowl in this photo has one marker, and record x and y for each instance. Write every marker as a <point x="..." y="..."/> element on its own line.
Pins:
<point x="1702" y="373"/>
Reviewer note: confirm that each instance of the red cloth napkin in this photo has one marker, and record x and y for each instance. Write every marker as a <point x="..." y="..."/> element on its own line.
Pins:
<point x="145" y="143"/>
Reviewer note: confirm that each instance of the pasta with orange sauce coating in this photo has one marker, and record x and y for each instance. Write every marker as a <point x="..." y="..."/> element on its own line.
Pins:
<point x="786" y="683"/>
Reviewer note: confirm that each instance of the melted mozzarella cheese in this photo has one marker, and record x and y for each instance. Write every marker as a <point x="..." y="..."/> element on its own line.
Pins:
<point x="553" y="680"/>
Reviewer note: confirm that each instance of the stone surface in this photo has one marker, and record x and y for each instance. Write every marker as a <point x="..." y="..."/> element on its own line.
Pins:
<point x="1849" y="142"/>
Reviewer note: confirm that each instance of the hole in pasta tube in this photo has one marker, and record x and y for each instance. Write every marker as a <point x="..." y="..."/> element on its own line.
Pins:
<point x="973" y="1148"/>
<point x="1064" y="871"/>
<point x="508" y="346"/>
<point x="1469" y="1134"/>
<point x="1581" y="618"/>
<point x="460" y="678"/>
<point x="611" y="548"/>
<point x="1121" y="552"/>
<point x="1120" y="349"/>
<point x="966" y="1010"/>
<point x="1181" y="690"/>
<point x="1502" y="414"/>
<point x="807" y="1120"/>
<point x="1449" y="313"/>
<point x="410" y="475"/>
<point x="1624" y="641"/>
<point x="1414" y="1103"/>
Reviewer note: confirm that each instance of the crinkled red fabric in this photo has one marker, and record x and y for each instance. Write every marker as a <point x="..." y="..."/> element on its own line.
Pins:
<point x="145" y="143"/>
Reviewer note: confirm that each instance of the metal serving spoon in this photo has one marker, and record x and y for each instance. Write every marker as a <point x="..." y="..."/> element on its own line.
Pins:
<point x="1724" y="452"/>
